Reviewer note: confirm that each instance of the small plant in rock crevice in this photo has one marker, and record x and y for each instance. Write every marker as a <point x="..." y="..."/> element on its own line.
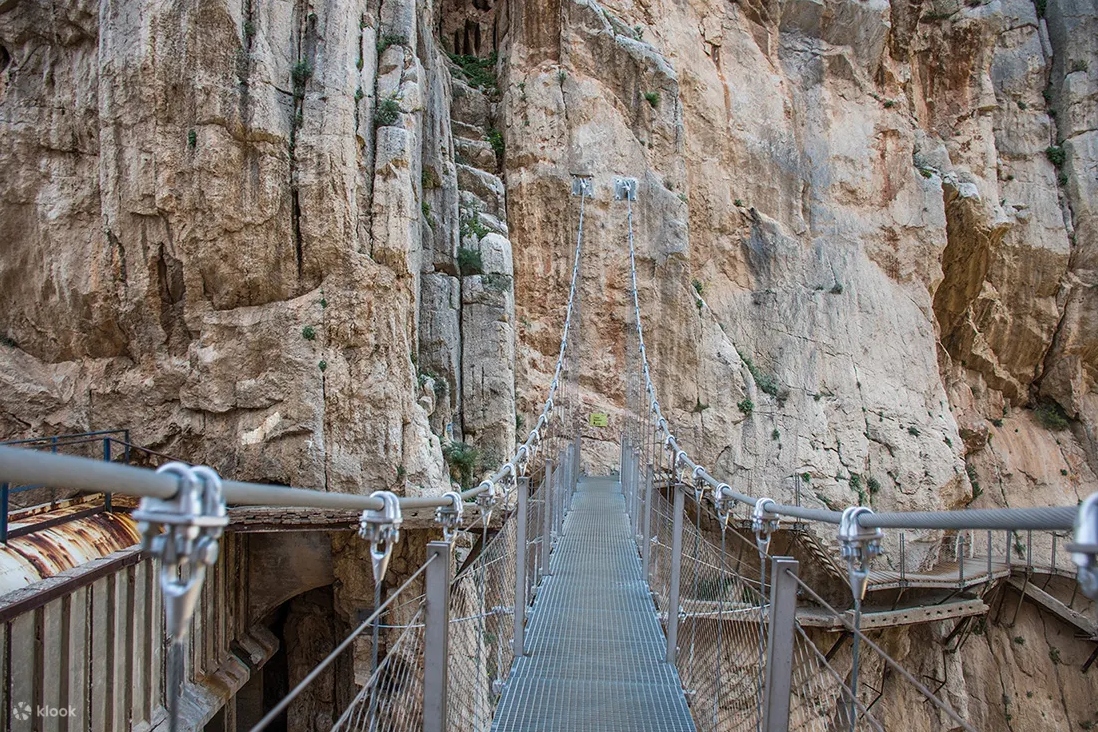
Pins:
<point x="746" y="406"/>
<point x="390" y="39"/>
<point x="301" y="72"/>
<point x="873" y="485"/>
<point x="387" y="112"/>
<point x="462" y="459"/>
<point x="495" y="139"/>
<point x="469" y="261"/>
<point x="1051" y="416"/>
<point x="653" y="98"/>
<point x="471" y="226"/>
<point x="478" y="72"/>
<point x="1056" y="155"/>
<point x="764" y="381"/>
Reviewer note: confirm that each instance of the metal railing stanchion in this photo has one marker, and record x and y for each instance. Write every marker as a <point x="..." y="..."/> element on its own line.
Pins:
<point x="436" y="637"/>
<point x="676" y="574"/>
<point x="779" y="655"/>
<point x="523" y="488"/>
<point x="547" y="516"/>
<point x="646" y="538"/>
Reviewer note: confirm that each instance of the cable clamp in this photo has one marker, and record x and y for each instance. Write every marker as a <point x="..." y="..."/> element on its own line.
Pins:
<point x="184" y="532"/>
<point x="1084" y="550"/>
<point x="450" y="516"/>
<point x="486" y="501"/>
<point x="859" y="546"/>
<point x="699" y="484"/>
<point x="764" y="522"/>
<point x="723" y="505"/>
<point x="382" y="529"/>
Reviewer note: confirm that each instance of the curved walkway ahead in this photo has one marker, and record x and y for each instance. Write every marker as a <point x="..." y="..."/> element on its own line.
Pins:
<point x="595" y="650"/>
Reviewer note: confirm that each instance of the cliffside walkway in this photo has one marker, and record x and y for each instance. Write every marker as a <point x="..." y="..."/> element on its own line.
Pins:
<point x="595" y="649"/>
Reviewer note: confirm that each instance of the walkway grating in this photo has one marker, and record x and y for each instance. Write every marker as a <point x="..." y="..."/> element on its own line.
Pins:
<point x="595" y="650"/>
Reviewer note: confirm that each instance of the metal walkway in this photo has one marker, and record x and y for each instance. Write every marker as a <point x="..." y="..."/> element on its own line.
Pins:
<point x="595" y="650"/>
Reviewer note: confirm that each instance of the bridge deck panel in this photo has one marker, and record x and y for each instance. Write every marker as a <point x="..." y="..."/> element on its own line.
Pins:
<point x="595" y="650"/>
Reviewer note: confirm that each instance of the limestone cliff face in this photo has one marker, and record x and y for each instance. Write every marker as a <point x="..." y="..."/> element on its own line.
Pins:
<point x="277" y="237"/>
<point x="234" y="228"/>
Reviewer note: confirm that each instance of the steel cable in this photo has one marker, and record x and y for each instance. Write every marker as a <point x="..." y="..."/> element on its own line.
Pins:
<point x="312" y="675"/>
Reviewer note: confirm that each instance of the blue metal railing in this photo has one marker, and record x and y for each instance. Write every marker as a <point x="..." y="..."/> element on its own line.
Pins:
<point x="107" y="439"/>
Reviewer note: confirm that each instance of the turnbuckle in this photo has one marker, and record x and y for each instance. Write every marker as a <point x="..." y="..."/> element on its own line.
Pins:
<point x="859" y="547"/>
<point x="764" y="522"/>
<point x="1084" y="550"/>
<point x="382" y="529"/>
<point x="184" y="533"/>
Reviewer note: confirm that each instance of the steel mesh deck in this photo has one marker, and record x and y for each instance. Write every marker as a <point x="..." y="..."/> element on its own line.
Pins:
<point x="595" y="650"/>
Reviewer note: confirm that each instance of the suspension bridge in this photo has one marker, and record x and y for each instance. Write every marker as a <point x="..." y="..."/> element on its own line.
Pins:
<point x="657" y="599"/>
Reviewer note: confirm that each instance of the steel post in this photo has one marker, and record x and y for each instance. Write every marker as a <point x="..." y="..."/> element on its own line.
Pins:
<point x="579" y="461"/>
<point x="779" y="650"/>
<point x="625" y="474"/>
<point x="436" y="636"/>
<point x="546" y="517"/>
<point x="4" y="494"/>
<point x="676" y="573"/>
<point x="646" y="537"/>
<point x="521" y="564"/>
<point x="107" y="458"/>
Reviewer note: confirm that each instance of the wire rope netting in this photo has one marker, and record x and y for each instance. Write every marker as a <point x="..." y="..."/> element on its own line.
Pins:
<point x="723" y="635"/>
<point x="482" y="606"/>
<point x="392" y="699"/>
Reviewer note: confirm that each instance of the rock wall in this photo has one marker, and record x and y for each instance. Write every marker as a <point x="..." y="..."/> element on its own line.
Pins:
<point x="233" y="228"/>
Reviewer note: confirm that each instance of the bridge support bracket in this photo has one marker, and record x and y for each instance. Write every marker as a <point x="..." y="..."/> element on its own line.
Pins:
<point x="583" y="185"/>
